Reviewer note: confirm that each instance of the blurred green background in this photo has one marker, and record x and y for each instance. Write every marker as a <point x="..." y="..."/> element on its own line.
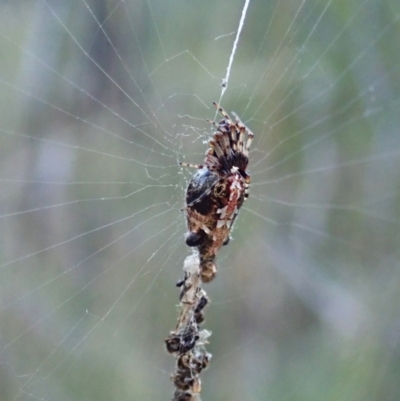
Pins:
<point x="100" y="99"/>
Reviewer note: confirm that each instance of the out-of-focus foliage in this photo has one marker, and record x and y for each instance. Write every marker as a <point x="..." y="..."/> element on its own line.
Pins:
<point x="100" y="99"/>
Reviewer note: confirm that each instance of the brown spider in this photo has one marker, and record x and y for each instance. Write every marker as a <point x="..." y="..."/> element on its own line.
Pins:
<point x="217" y="190"/>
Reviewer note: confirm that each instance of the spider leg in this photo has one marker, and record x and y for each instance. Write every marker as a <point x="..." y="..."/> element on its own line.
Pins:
<point x="242" y="131"/>
<point x="237" y="119"/>
<point x="211" y="160"/>
<point x="223" y="112"/>
<point x="218" y="150"/>
<point x="250" y="137"/>
<point x="246" y="192"/>
<point x="230" y="147"/>
<point x="224" y="143"/>
<point x="213" y="123"/>
<point x="221" y="127"/>
<point x="231" y="129"/>
<point x="226" y="241"/>
<point x="198" y="166"/>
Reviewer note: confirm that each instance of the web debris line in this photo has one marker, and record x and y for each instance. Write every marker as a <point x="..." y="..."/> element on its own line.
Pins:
<point x="235" y="43"/>
<point x="337" y="113"/>
<point x="86" y="54"/>
<point x="53" y="311"/>
<point x="32" y="378"/>
<point x="78" y="118"/>
<point x="100" y="27"/>
<point x="82" y="235"/>
<point x="331" y="206"/>
<point x="326" y="51"/>
<point x="269" y="65"/>
<point x="74" y="202"/>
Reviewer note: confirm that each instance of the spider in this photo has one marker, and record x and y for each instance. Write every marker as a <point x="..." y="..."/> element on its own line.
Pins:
<point x="217" y="190"/>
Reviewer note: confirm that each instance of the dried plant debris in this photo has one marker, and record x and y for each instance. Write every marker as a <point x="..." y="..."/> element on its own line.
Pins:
<point x="187" y="341"/>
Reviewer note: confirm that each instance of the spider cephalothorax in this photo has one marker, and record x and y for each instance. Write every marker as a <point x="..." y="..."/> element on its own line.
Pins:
<point x="217" y="190"/>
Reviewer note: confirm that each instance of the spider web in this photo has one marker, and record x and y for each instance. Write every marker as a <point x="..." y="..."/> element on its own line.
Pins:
<point x="100" y="100"/>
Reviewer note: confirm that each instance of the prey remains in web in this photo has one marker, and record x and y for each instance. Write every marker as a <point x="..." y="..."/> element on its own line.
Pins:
<point x="217" y="190"/>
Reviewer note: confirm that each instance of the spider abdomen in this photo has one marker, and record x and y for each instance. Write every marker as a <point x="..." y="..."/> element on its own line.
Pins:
<point x="200" y="189"/>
